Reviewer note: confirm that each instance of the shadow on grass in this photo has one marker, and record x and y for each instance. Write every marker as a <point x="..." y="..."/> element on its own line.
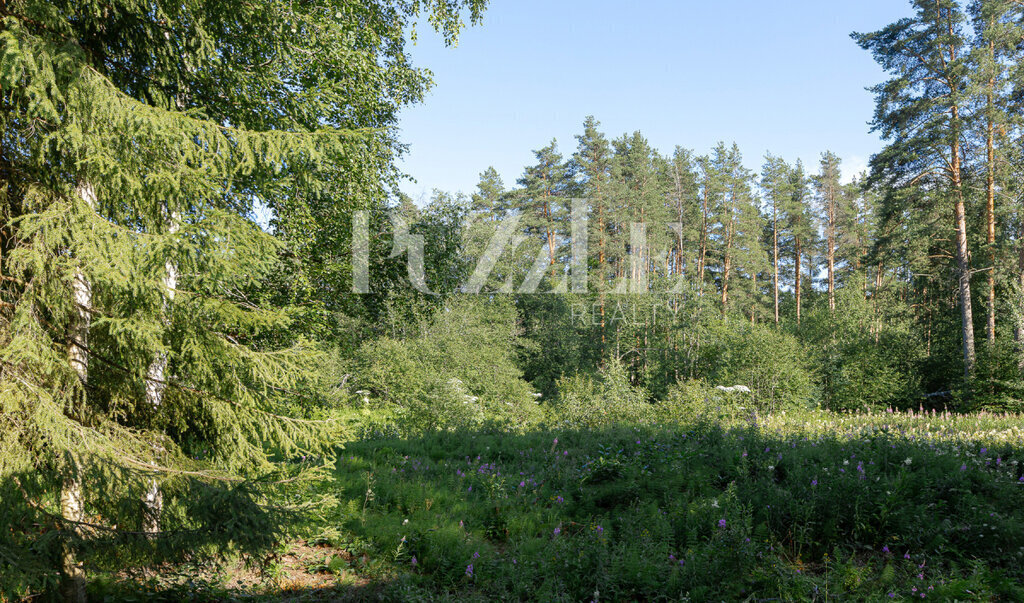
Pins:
<point x="700" y="511"/>
<point x="647" y="513"/>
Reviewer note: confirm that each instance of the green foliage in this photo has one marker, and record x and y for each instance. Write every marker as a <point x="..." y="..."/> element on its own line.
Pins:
<point x="793" y="505"/>
<point x="457" y="371"/>
<point x="144" y="340"/>
<point x="770" y="362"/>
<point x="857" y="369"/>
<point x="694" y="400"/>
<point x="597" y="401"/>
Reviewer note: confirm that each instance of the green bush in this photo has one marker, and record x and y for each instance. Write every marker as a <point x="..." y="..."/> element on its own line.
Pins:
<point x="769" y="362"/>
<point x="608" y="398"/>
<point x="458" y="371"/>
<point x="861" y="364"/>
<point x="695" y="400"/>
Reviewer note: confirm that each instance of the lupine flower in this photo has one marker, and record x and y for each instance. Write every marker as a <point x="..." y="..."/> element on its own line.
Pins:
<point x="414" y="562"/>
<point x="721" y="523"/>
<point x="885" y="549"/>
<point x="469" y="570"/>
<point x="558" y="531"/>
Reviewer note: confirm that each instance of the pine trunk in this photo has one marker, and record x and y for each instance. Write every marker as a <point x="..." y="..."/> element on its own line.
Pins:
<point x="1019" y="331"/>
<point x="799" y="263"/>
<point x="963" y="265"/>
<point x="753" y="302"/>
<point x="702" y="261"/>
<point x="775" y="256"/>
<point x="832" y="249"/>
<point x="726" y="270"/>
<point x="990" y="215"/>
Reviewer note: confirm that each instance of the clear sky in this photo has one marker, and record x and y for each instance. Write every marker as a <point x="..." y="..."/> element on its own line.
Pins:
<point x="778" y="76"/>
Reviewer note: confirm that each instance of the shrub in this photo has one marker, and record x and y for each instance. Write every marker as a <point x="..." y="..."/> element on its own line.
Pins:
<point x="859" y="368"/>
<point x="771" y="363"/>
<point x="457" y="372"/>
<point x="695" y="400"/>
<point x="608" y="398"/>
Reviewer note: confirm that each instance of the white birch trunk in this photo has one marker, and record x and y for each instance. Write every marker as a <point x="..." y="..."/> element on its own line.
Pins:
<point x="71" y="496"/>
<point x="153" y="499"/>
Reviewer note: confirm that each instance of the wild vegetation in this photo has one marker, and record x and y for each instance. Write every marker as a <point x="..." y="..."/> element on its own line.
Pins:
<point x="629" y="376"/>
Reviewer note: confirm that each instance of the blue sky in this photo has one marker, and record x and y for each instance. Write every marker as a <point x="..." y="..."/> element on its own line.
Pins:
<point x="782" y="76"/>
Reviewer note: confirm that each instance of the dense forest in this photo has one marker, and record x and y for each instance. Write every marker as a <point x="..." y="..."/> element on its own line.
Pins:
<point x="181" y="380"/>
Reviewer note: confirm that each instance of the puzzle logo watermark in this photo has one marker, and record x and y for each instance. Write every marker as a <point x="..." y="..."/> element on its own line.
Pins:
<point x="506" y="240"/>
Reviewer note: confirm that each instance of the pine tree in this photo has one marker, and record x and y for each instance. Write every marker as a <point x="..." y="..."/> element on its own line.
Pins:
<point x="999" y="27"/>
<point x="800" y="226"/>
<point x="685" y="212"/>
<point x="777" y="187"/>
<point x="544" y="202"/>
<point x="737" y="222"/>
<point x="592" y="167"/>
<point x="921" y="112"/>
<point x="638" y="173"/>
<point x="829" y="191"/>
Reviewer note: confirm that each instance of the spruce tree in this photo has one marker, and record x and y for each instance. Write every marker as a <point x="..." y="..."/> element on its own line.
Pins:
<point x="140" y="351"/>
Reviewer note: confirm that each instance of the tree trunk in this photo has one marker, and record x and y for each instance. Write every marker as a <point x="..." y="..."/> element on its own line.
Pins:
<point x="775" y="256"/>
<point x="1018" y="333"/>
<point x="702" y="261"/>
<point x="726" y="269"/>
<point x="963" y="267"/>
<point x="753" y="302"/>
<point x="71" y="495"/>
<point x="990" y="212"/>
<point x="72" y="572"/>
<point x="153" y="499"/>
<point x="600" y="265"/>
<point x="831" y="200"/>
<point x="799" y="262"/>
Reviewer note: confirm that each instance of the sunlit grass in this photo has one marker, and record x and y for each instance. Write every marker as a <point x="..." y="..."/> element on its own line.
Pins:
<point x="893" y="505"/>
